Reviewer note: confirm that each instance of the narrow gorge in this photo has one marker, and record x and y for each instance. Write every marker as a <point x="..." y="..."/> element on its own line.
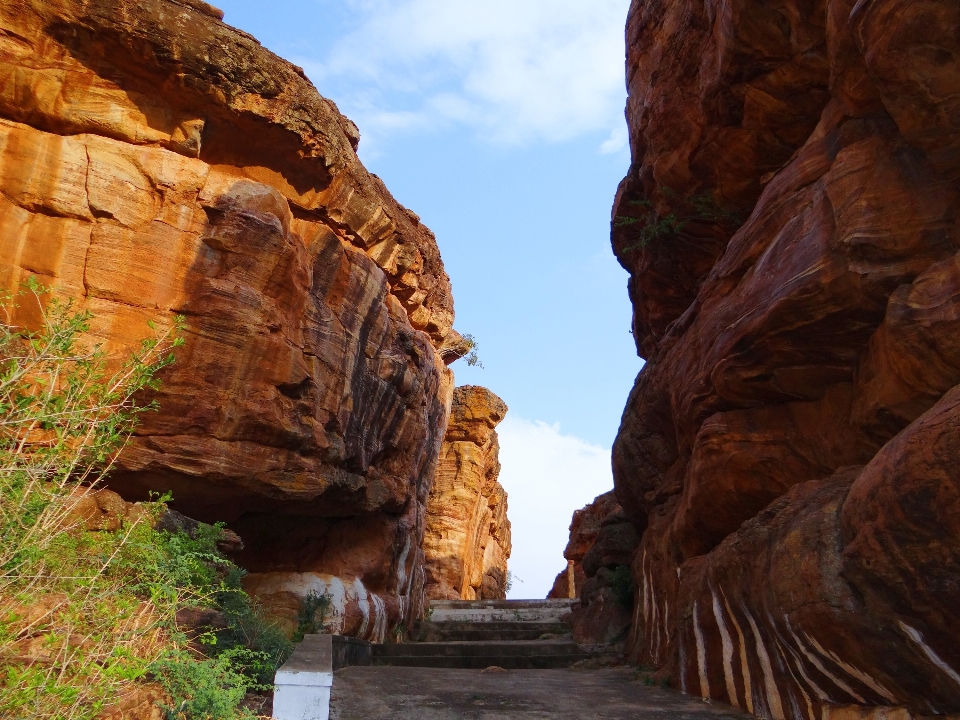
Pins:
<point x="783" y="535"/>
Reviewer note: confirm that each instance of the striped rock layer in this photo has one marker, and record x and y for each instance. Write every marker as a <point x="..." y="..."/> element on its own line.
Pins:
<point x="467" y="539"/>
<point x="155" y="161"/>
<point x="790" y="225"/>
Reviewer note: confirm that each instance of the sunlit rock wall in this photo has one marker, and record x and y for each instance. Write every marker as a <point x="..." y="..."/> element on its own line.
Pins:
<point x="790" y="227"/>
<point x="155" y="161"/>
<point x="467" y="540"/>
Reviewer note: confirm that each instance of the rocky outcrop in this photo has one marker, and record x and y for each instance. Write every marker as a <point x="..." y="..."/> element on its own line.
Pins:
<point x="467" y="540"/>
<point x="790" y="226"/>
<point x="599" y="552"/>
<point x="155" y="161"/>
<point x="584" y="528"/>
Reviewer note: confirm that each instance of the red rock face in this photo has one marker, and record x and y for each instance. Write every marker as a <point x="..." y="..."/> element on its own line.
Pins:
<point x="790" y="225"/>
<point x="154" y="161"/>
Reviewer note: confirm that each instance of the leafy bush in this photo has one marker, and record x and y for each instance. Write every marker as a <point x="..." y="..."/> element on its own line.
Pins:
<point x="86" y="616"/>
<point x="312" y="613"/>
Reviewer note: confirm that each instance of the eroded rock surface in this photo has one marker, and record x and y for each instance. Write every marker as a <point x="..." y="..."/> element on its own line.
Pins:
<point x="467" y="540"/>
<point x="791" y="229"/>
<point x="599" y="552"/>
<point x="155" y="161"/>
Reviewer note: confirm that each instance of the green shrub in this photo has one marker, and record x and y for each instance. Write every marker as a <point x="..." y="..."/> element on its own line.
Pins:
<point x="86" y="615"/>
<point x="312" y="614"/>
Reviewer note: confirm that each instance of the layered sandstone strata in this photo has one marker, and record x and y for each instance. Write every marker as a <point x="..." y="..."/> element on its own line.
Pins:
<point x="155" y="161"/>
<point x="599" y="552"/>
<point x="467" y="539"/>
<point x="790" y="225"/>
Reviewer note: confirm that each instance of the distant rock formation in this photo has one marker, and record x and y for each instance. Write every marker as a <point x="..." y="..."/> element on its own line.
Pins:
<point x="155" y="161"/>
<point x="790" y="225"/>
<point x="599" y="552"/>
<point x="467" y="540"/>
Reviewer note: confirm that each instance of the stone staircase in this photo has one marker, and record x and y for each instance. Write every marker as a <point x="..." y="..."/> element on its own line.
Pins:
<point x="512" y="634"/>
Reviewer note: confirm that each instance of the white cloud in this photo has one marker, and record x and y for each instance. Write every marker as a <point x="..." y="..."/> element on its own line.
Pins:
<point x="547" y="475"/>
<point x="616" y="142"/>
<point x="514" y="70"/>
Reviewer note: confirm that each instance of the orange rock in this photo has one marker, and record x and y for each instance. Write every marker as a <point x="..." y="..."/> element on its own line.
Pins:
<point x="139" y="702"/>
<point x="790" y="223"/>
<point x="467" y="540"/>
<point x="155" y="161"/>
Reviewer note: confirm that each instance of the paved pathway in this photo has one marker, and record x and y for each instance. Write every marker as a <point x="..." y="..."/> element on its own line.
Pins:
<point x="418" y="693"/>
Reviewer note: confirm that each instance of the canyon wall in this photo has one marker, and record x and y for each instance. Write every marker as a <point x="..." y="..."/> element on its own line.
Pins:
<point x="155" y="161"/>
<point x="790" y="227"/>
<point x="467" y="538"/>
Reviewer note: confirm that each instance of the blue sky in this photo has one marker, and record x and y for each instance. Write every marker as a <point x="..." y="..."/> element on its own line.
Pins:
<point x="500" y="123"/>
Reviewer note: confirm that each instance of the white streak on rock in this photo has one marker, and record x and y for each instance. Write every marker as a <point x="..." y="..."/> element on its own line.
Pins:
<point x="646" y="591"/>
<point x="727" y="652"/>
<point x="683" y="668"/>
<point x="855" y="672"/>
<point x="774" y="701"/>
<point x="815" y="661"/>
<point x="379" y="619"/>
<point x="932" y="656"/>
<point x="701" y="655"/>
<point x="364" y="604"/>
<point x="806" y="697"/>
<point x="402" y="566"/>
<point x="744" y="661"/>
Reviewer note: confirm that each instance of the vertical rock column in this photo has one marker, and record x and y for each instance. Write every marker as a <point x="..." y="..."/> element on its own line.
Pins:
<point x="467" y="540"/>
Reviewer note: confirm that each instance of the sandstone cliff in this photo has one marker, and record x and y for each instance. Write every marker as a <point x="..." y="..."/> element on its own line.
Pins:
<point x="790" y="225"/>
<point x="467" y="540"/>
<point x="156" y="161"/>
<point x="599" y="552"/>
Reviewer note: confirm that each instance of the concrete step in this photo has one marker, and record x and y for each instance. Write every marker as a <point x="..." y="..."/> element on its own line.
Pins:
<point x="499" y="610"/>
<point x="518" y="654"/>
<point x="428" y="631"/>
<point x="551" y="603"/>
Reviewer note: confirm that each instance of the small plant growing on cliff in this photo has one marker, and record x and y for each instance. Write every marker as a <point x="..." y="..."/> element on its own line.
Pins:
<point x="647" y="226"/>
<point x="473" y="360"/>
<point x="312" y="614"/>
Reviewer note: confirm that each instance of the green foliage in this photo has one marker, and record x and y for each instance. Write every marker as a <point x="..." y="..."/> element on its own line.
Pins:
<point x="648" y="226"/>
<point x="86" y="614"/>
<point x="312" y="613"/>
<point x="473" y="360"/>
<point x="206" y="688"/>
<point x="621" y="583"/>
